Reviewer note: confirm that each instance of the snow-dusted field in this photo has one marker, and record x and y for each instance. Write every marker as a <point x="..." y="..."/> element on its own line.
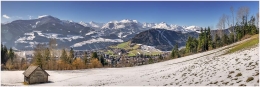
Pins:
<point x="207" y="68"/>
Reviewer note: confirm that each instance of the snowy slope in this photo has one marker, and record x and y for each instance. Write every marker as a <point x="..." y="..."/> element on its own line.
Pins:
<point x="92" y="24"/>
<point x="207" y="68"/>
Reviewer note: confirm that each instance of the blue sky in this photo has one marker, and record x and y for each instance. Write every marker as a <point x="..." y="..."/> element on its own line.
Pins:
<point x="199" y="13"/>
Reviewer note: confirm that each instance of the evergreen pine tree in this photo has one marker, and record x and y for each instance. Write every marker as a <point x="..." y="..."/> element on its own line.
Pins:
<point x="85" y="58"/>
<point x="102" y="60"/>
<point x="176" y="50"/>
<point x="11" y="54"/>
<point x="94" y="55"/>
<point x="71" y="56"/>
<point x="64" y="56"/>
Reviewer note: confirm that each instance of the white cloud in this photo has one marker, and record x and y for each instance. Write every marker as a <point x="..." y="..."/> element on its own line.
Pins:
<point x="5" y="16"/>
<point x="42" y="16"/>
<point x="30" y="17"/>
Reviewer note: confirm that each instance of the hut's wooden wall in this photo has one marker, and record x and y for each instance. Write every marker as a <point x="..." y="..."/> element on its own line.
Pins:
<point x="38" y="76"/>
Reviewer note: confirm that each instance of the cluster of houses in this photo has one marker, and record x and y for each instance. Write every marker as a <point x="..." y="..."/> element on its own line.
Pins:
<point x="121" y="60"/>
<point x="118" y="60"/>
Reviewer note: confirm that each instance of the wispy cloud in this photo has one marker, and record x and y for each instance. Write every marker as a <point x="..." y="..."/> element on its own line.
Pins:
<point x="5" y="16"/>
<point x="42" y="16"/>
<point x="30" y="17"/>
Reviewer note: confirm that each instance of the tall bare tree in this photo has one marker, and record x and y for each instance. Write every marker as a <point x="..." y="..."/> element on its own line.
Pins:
<point x="53" y="53"/>
<point x="228" y="21"/>
<point x="221" y="25"/>
<point x="257" y="19"/>
<point x="242" y="14"/>
<point x="232" y="11"/>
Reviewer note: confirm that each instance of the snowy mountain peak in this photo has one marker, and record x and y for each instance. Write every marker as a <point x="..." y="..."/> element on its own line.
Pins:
<point x="162" y="25"/>
<point x="125" y="23"/>
<point x="113" y="22"/>
<point x="95" y="24"/>
<point x="83" y="24"/>
<point x="47" y="17"/>
<point x="128" y="21"/>
<point x="42" y="16"/>
<point x="92" y="22"/>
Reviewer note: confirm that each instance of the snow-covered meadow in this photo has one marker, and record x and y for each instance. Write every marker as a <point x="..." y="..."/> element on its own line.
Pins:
<point x="207" y="68"/>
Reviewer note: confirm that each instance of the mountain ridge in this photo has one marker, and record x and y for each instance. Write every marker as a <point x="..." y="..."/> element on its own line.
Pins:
<point x="25" y="34"/>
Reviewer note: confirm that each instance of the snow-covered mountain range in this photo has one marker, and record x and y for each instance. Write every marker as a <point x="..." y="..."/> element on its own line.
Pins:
<point x="127" y="22"/>
<point x="25" y="34"/>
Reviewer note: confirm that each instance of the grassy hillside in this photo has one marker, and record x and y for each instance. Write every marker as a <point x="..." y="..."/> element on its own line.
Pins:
<point x="254" y="40"/>
<point x="132" y="51"/>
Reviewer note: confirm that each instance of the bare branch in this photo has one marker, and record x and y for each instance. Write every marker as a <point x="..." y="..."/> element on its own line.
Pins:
<point x="242" y="12"/>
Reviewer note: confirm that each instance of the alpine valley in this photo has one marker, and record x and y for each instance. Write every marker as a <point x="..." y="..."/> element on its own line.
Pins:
<point x="25" y="34"/>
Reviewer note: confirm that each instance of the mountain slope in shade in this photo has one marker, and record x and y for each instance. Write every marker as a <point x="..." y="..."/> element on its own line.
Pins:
<point x="25" y="34"/>
<point x="162" y="39"/>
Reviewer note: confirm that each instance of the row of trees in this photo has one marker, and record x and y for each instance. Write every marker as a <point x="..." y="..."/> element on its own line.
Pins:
<point x="193" y="45"/>
<point x="44" y="57"/>
<point x="6" y="55"/>
<point x="11" y="61"/>
<point x="48" y="57"/>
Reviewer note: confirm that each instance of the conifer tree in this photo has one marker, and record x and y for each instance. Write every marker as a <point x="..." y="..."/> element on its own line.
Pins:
<point x="64" y="56"/>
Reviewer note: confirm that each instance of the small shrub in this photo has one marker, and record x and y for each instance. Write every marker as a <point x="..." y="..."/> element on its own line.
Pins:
<point x="229" y="76"/>
<point x="231" y="72"/>
<point x="25" y="83"/>
<point x="184" y="74"/>
<point x="249" y="79"/>
<point x="239" y="74"/>
<point x="226" y="83"/>
<point x="231" y="83"/>
<point x="239" y="81"/>
<point x="242" y="85"/>
<point x="257" y="74"/>
<point x="171" y="83"/>
<point x="235" y="79"/>
<point x="250" y="63"/>
<point x="216" y="82"/>
<point x="177" y="83"/>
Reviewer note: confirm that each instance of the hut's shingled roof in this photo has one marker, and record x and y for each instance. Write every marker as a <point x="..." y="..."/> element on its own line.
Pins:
<point x="30" y="69"/>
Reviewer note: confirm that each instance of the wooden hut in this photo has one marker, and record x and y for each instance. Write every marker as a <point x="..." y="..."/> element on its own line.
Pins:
<point x="35" y="74"/>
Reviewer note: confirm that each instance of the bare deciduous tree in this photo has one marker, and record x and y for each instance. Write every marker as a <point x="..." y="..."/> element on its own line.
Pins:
<point x="241" y="13"/>
<point x="221" y="24"/>
<point x="232" y="11"/>
<point x="228" y="20"/>
<point x="257" y="19"/>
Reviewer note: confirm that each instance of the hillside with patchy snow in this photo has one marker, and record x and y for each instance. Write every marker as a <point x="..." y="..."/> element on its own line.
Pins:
<point x="211" y="68"/>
